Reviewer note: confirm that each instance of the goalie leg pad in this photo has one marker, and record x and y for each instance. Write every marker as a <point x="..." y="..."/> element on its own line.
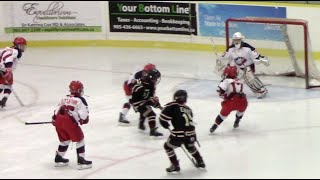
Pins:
<point x="254" y="82"/>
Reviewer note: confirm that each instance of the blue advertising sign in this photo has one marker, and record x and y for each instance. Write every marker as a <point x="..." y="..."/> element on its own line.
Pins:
<point x="212" y="19"/>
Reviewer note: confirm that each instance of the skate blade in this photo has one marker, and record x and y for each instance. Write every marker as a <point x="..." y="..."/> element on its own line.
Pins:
<point x="261" y="96"/>
<point x="174" y="173"/>
<point x="84" y="166"/>
<point x="156" y="137"/>
<point x="202" y="169"/>
<point x="61" y="164"/>
<point x="123" y="124"/>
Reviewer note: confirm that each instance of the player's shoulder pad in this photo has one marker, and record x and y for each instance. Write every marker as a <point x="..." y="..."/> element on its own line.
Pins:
<point x="185" y="106"/>
<point x="230" y="47"/>
<point x="83" y="100"/>
<point x="138" y="74"/>
<point x="171" y="104"/>
<point x="244" y="44"/>
<point x="15" y="52"/>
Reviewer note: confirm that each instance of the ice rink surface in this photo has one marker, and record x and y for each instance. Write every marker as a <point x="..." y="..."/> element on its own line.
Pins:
<point x="277" y="138"/>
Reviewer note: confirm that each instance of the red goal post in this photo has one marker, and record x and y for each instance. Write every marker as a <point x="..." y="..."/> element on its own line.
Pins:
<point x="288" y="40"/>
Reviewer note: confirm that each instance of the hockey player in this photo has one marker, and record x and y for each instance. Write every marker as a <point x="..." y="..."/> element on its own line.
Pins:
<point x="231" y="90"/>
<point x="244" y="56"/>
<point x="127" y="86"/>
<point x="9" y="58"/>
<point x="143" y="99"/>
<point x="71" y="111"/>
<point x="183" y="132"/>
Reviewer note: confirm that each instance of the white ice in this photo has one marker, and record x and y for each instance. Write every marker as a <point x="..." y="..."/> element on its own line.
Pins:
<point x="277" y="138"/>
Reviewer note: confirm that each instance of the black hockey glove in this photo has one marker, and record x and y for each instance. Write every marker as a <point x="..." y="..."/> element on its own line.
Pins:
<point x="154" y="101"/>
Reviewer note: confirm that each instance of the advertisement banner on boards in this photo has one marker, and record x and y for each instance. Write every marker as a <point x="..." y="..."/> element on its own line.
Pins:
<point x="153" y="17"/>
<point x="212" y="19"/>
<point x="53" y="16"/>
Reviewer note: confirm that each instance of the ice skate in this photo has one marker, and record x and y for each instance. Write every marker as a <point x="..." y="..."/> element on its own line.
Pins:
<point x="213" y="128"/>
<point x="155" y="133"/>
<point x="173" y="168"/>
<point x="123" y="120"/>
<point x="236" y="124"/>
<point x="200" y="164"/>
<point x="141" y="125"/>
<point x="60" y="161"/>
<point x="3" y="102"/>
<point x="84" y="164"/>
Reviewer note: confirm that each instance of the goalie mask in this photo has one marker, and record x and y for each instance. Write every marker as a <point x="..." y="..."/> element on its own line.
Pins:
<point x="237" y="39"/>
<point x="76" y="88"/>
<point x="230" y="72"/>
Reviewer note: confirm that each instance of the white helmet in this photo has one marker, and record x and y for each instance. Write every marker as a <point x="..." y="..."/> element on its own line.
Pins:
<point x="237" y="39"/>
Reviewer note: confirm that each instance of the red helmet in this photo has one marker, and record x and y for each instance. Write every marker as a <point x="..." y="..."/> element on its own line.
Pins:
<point x="20" y="43"/>
<point x="76" y="87"/>
<point x="149" y="67"/>
<point x="230" y="72"/>
<point x="19" y="40"/>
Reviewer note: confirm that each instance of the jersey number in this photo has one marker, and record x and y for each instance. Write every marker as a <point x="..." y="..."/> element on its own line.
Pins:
<point x="188" y="119"/>
<point x="146" y="94"/>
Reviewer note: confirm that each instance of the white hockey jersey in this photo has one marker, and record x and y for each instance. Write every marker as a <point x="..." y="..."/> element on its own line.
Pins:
<point x="229" y="87"/>
<point x="242" y="57"/>
<point x="77" y="107"/>
<point x="8" y="55"/>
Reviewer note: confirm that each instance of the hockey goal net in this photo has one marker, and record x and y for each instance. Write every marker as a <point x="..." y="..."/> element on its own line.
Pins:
<point x="285" y="42"/>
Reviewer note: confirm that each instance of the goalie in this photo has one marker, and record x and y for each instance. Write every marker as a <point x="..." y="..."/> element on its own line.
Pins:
<point x="243" y="55"/>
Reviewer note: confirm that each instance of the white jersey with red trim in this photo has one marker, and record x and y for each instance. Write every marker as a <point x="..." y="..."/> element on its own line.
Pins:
<point x="230" y="86"/>
<point x="8" y="55"/>
<point x="242" y="57"/>
<point x="77" y="107"/>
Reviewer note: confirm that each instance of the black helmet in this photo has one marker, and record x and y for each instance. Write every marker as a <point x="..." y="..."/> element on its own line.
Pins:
<point x="151" y="77"/>
<point x="180" y="96"/>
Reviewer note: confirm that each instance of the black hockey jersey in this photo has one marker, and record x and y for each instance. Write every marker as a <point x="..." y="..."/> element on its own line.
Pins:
<point x="181" y="118"/>
<point x="141" y="94"/>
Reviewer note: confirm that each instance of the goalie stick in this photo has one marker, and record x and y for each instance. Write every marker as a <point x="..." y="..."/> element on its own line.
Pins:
<point x="214" y="48"/>
<point x="219" y="65"/>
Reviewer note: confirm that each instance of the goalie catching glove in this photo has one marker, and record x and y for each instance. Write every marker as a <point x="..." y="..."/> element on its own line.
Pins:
<point x="262" y="59"/>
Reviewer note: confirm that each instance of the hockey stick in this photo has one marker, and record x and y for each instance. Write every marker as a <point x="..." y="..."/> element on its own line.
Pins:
<point x="185" y="151"/>
<point x="218" y="62"/>
<point x="14" y="93"/>
<point x="17" y="97"/>
<point x="191" y="158"/>
<point x="214" y="47"/>
<point x="34" y="123"/>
